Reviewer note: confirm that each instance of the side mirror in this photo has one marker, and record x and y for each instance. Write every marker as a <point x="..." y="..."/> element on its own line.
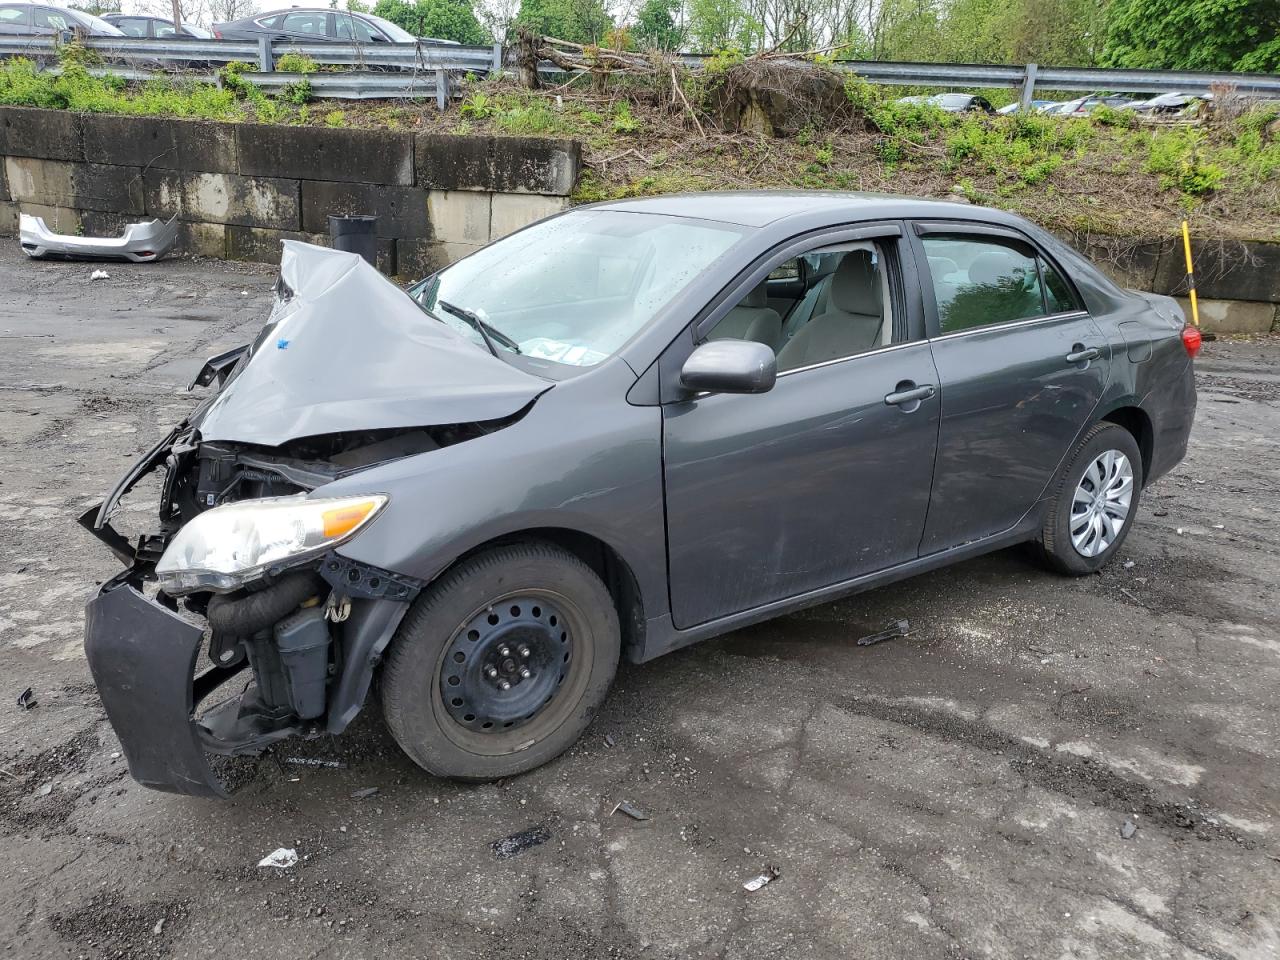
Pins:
<point x="730" y="366"/>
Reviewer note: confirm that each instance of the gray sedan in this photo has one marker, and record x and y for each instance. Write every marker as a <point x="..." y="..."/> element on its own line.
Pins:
<point x="616" y="432"/>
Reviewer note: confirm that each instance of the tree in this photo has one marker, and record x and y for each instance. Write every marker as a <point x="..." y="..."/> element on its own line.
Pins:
<point x="440" y="19"/>
<point x="1193" y="34"/>
<point x="656" y="25"/>
<point x="722" y="25"/>
<point x="578" y="21"/>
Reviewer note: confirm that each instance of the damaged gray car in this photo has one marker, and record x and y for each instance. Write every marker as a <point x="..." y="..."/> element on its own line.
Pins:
<point x="616" y="432"/>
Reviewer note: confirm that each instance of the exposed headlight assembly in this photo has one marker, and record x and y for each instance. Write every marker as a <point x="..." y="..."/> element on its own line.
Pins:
<point x="226" y="547"/>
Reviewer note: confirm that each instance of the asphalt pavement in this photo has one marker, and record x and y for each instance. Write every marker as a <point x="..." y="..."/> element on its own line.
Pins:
<point x="1044" y="767"/>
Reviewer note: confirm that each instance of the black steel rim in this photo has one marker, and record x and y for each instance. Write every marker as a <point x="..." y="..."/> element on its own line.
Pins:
<point x="506" y="664"/>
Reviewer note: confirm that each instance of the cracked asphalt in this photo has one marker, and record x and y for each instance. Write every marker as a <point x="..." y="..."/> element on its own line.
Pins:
<point x="961" y="792"/>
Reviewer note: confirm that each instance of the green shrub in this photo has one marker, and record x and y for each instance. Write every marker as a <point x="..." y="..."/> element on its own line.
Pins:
<point x="294" y="62"/>
<point x="477" y="106"/>
<point x="624" y="121"/>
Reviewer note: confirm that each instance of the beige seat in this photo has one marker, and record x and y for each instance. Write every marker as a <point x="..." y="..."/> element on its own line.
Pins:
<point x="853" y="321"/>
<point x="751" y="319"/>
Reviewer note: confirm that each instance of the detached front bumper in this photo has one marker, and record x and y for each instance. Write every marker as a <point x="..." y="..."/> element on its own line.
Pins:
<point x="143" y="659"/>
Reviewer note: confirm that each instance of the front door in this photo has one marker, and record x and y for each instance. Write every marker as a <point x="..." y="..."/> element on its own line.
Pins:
<point x="822" y="479"/>
<point x="1022" y="367"/>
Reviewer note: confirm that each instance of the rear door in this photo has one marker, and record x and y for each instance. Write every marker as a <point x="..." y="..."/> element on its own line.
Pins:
<point x="1022" y="366"/>
<point x="825" y="477"/>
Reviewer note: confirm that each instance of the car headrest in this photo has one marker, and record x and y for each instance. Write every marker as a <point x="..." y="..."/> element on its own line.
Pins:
<point x="989" y="268"/>
<point x="757" y="297"/>
<point x="855" y="286"/>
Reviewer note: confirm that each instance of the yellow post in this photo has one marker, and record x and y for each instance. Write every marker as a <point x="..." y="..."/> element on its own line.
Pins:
<point x="1191" y="276"/>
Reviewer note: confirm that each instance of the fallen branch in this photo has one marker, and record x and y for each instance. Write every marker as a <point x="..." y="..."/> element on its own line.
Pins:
<point x="698" y="123"/>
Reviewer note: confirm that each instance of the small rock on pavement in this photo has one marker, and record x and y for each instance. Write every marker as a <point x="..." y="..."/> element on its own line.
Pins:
<point x="159" y="927"/>
<point x="1128" y="830"/>
<point x="363" y="793"/>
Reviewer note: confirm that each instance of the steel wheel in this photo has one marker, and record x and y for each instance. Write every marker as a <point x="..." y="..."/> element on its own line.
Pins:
<point x="1100" y="507"/>
<point x="505" y="664"/>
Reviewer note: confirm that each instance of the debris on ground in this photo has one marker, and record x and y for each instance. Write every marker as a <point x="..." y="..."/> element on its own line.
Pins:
<point x="1130" y="564"/>
<point x="630" y="809"/>
<point x="281" y="858"/>
<point x="509" y="846"/>
<point x="363" y="793"/>
<point x="27" y="699"/>
<point x="45" y="790"/>
<point x="99" y="275"/>
<point x="1128" y="830"/>
<point x="608" y="740"/>
<point x="315" y="762"/>
<point x="755" y="883"/>
<point x="159" y="927"/>
<point x="899" y="628"/>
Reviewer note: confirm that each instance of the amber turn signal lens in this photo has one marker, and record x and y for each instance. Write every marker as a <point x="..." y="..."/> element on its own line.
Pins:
<point x="1191" y="340"/>
<point x="342" y="520"/>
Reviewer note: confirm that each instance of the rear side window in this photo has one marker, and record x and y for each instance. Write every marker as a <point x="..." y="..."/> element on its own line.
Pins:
<point x="306" y="23"/>
<point x="1059" y="296"/>
<point x="132" y="27"/>
<point x="13" y="15"/>
<point x="980" y="281"/>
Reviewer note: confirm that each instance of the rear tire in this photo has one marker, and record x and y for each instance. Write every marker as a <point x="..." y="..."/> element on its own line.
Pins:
<point x="1094" y="502"/>
<point x="532" y="617"/>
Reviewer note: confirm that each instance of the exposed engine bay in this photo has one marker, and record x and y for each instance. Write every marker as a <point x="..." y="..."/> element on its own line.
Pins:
<point x="242" y="564"/>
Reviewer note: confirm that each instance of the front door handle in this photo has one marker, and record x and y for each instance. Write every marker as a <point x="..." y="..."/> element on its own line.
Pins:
<point x="908" y="394"/>
<point x="1080" y="353"/>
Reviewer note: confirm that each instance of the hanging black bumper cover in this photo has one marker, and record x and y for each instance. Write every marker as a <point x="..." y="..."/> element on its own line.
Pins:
<point x="143" y="659"/>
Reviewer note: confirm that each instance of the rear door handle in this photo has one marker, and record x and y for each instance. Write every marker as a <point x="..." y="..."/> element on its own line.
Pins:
<point x="907" y="394"/>
<point x="1080" y="353"/>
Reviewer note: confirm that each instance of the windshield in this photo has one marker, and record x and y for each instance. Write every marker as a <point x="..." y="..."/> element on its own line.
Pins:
<point x="97" y="23"/>
<point x="397" y="34"/>
<point x="575" y="288"/>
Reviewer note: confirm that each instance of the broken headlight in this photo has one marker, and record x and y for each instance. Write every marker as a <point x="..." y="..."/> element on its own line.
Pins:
<point x="226" y="547"/>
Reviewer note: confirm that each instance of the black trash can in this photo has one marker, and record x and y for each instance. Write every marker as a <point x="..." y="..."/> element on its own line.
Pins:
<point x="355" y="235"/>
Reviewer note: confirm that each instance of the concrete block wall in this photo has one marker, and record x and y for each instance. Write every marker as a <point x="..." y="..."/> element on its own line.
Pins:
<point x="239" y="189"/>
<point x="1237" y="281"/>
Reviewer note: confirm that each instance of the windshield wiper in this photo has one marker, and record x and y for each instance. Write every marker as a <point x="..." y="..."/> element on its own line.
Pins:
<point x="489" y="332"/>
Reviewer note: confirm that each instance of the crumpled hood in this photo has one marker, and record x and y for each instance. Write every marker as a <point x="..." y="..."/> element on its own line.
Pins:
<point x="346" y="349"/>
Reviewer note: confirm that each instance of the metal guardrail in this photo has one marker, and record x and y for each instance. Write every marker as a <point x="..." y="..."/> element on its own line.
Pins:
<point x="423" y="69"/>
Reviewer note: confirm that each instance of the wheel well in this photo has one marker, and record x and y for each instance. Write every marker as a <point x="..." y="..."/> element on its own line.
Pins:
<point x="1136" y="421"/>
<point x="608" y="565"/>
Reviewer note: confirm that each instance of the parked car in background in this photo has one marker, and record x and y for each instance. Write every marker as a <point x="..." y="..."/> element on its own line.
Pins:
<point x="1035" y="105"/>
<point x="155" y="28"/>
<point x="1083" y="106"/>
<point x="953" y="102"/>
<point x="44" y="20"/>
<point x="312" y="24"/>
<point x="1167" y="103"/>
<point x="614" y="433"/>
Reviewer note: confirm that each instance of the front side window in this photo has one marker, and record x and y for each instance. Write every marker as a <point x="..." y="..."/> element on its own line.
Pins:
<point x="980" y="281"/>
<point x="353" y="28"/>
<point x="575" y="288"/>
<point x="844" y="309"/>
<point x="52" y="19"/>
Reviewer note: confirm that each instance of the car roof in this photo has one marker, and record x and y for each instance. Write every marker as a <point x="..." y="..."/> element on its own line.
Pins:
<point x="759" y="208"/>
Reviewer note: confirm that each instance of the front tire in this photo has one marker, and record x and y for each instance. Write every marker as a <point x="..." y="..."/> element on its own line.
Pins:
<point x="1094" y="502"/>
<point x="501" y="664"/>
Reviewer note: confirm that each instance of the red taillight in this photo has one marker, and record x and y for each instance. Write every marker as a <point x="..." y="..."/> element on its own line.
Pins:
<point x="217" y="34"/>
<point x="1191" y="340"/>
